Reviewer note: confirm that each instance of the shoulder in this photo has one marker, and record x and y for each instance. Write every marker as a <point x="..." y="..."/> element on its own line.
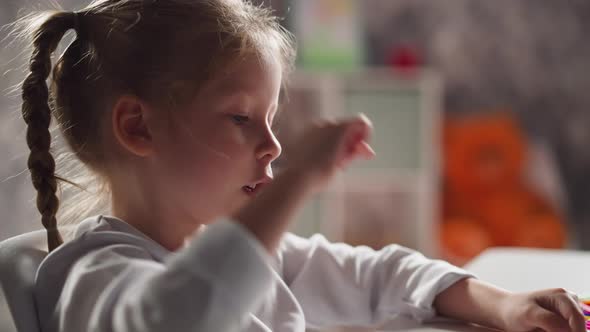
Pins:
<point x="97" y="240"/>
<point x="292" y="243"/>
<point x="297" y="248"/>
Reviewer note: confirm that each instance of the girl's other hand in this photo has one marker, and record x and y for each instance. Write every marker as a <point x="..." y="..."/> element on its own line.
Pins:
<point x="551" y="310"/>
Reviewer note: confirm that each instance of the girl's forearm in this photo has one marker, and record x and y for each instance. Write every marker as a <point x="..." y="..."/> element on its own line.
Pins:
<point x="268" y="215"/>
<point x="474" y="301"/>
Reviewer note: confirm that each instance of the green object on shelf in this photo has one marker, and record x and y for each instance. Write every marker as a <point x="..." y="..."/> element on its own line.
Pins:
<point x="329" y="34"/>
<point x="324" y="59"/>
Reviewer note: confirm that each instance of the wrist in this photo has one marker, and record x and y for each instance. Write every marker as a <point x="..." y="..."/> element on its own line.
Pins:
<point x="475" y="301"/>
<point x="504" y="310"/>
<point x="303" y="177"/>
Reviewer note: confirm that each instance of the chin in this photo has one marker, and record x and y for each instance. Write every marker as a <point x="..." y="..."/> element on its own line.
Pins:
<point x="238" y="204"/>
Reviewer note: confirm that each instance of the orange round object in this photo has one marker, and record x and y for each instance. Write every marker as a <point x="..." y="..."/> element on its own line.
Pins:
<point x="483" y="152"/>
<point x="542" y="231"/>
<point x="505" y="212"/>
<point x="462" y="239"/>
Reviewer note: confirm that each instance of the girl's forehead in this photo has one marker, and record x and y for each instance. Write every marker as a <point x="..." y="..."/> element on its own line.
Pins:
<point x="248" y="76"/>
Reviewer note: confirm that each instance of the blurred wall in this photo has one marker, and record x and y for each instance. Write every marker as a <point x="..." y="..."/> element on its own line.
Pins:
<point x="529" y="55"/>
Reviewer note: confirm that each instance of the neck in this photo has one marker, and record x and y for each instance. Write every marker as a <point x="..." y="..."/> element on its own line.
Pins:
<point x="167" y="225"/>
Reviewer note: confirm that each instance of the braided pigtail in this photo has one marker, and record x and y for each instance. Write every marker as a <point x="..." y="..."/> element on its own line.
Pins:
<point x="37" y="115"/>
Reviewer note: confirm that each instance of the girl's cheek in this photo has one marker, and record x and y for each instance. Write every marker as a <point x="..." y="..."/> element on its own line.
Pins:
<point x="236" y="135"/>
<point x="242" y="138"/>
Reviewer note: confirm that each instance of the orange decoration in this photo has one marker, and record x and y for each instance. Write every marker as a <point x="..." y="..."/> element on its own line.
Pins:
<point x="483" y="153"/>
<point x="459" y="204"/>
<point x="485" y="200"/>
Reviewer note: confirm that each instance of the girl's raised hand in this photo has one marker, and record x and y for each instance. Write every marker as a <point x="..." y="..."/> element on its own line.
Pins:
<point x="323" y="149"/>
<point x="329" y="146"/>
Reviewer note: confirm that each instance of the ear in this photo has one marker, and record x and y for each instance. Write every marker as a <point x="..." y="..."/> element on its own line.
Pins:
<point x="130" y="125"/>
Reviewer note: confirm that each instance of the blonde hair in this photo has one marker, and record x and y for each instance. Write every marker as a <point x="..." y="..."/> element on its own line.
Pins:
<point x="161" y="51"/>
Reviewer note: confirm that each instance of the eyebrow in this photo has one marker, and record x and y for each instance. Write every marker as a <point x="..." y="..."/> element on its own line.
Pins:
<point x="228" y="86"/>
<point x="231" y="89"/>
<point x="230" y="98"/>
<point x="237" y="97"/>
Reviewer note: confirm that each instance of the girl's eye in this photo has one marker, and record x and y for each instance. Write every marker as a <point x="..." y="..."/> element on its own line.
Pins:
<point x="240" y="119"/>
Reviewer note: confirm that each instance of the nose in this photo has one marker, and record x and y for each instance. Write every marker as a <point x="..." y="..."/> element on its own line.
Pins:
<point x="269" y="149"/>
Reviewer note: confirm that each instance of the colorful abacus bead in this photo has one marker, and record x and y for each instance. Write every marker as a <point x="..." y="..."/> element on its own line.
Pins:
<point x="585" y="303"/>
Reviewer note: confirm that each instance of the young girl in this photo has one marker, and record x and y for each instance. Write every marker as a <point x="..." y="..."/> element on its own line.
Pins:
<point x="171" y="102"/>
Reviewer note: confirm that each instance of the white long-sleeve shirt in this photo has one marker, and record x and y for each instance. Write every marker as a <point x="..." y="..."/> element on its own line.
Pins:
<point x="112" y="277"/>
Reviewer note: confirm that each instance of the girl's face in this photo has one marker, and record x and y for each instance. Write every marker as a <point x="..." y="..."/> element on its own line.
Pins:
<point x="215" y="155"/>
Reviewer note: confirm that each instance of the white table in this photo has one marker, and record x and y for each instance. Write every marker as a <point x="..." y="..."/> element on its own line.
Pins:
<point x="518" y="269"/>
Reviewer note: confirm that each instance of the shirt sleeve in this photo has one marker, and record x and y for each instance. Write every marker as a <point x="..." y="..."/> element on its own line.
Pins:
<point x="338" y="284"/>
<point x="210" y="285"/>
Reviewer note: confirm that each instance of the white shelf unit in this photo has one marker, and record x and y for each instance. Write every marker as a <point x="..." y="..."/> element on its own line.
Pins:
<point x="394" y="197"/>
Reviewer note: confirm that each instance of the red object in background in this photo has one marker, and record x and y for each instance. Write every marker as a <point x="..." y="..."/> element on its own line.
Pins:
<point x="404" y="58"/>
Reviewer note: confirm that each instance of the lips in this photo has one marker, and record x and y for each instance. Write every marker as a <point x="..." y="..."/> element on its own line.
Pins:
<point x="255" y="187"/>
<point x="249" y="189"/>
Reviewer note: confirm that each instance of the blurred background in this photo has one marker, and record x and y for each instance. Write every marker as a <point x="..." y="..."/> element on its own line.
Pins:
<point x="480" y="111"/>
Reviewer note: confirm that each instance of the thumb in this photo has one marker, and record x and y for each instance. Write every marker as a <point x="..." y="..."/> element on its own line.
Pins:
<point x="365" y="150"/>
<point x="357" y="133"/>
<point x="548" y="320"/>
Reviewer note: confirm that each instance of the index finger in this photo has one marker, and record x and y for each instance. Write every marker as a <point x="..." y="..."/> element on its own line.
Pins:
<point x="570" y="310"/>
